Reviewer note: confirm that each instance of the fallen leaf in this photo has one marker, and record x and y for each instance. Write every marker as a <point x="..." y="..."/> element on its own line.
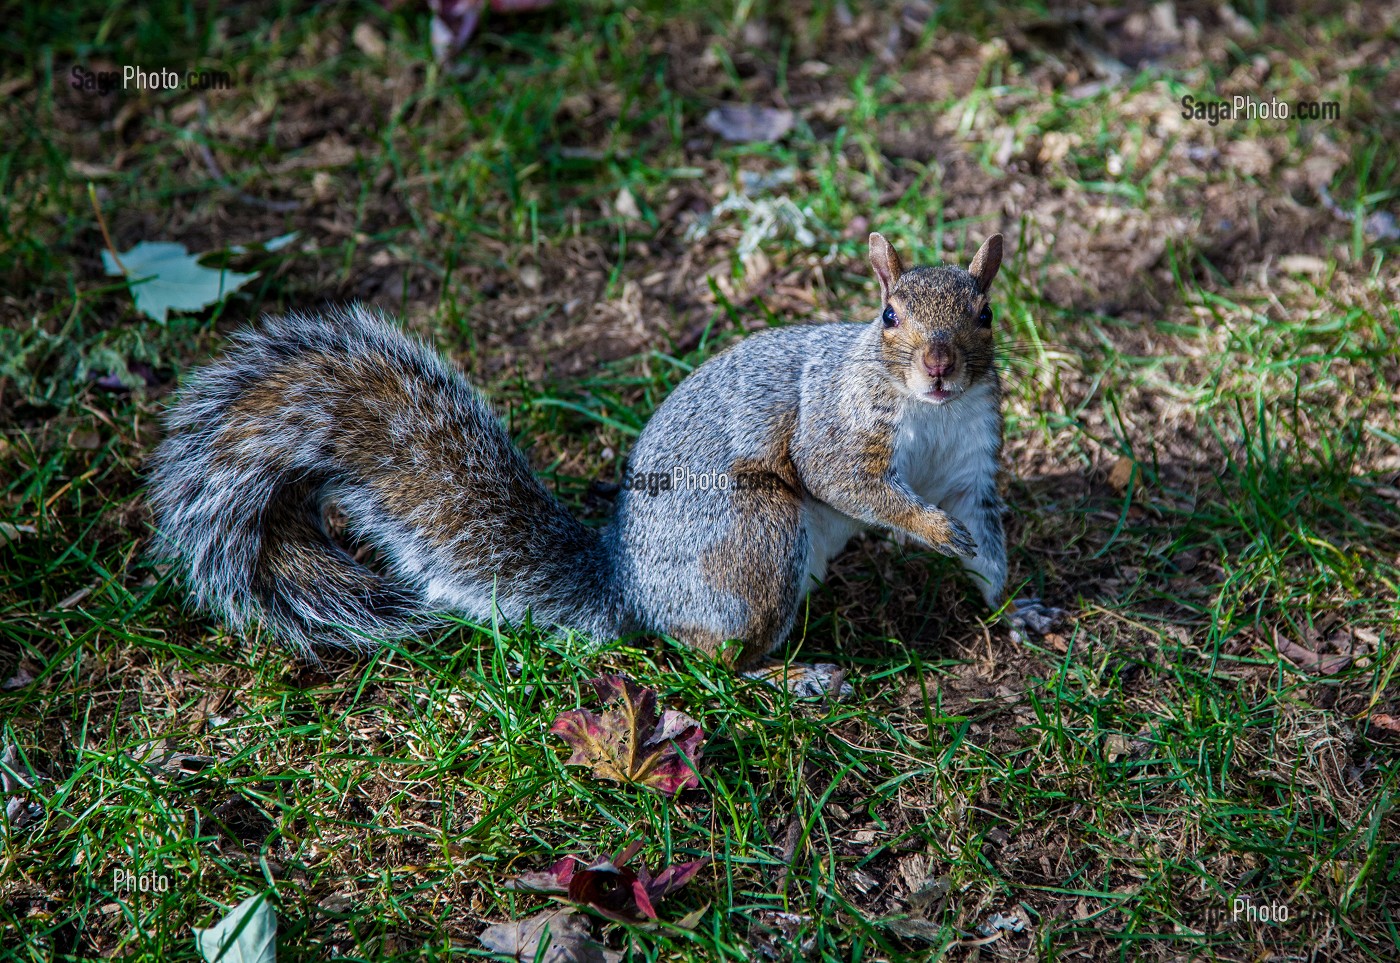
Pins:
<point x="19" y="680"/>
<point x="692" y="919"/>
<point x="1121" y="474"/>
<point x="1319" y="169"/>
<point x="133" y="374"/>
<point x="246" y="935"/>
<point x="1116" y="746"/>
<point x="632" y="744"/>
<point x="748" y="123"/>
<point x="913" y="928"/>
<point x="1308" y="660"/>
<point x="1385" y="726"/>
<point x="1249" y="157"/>
<point x="337" y="903"/>
<point x="270" y="246"/>
<point x="163" y="276"/>
<point x="566" y="936"/>
<point x="16" y="776"/>
<point x="184" y="762"/>
<point x="10" y="532"/>
<point x="612" y="890"/>
<point x="552" y="880"/>
<point x="1187" y="561"/>
<point x="21" y="812"/>
<point x="997" y="922"/>
<point x="778" y="935"/>
<point x="609" y="886"/>
<point x="167" y="764"/>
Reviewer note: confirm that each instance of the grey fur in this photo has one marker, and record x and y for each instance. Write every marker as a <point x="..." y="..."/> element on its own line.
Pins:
<point x="826" y="424"/>
<point x="220" y="475"/>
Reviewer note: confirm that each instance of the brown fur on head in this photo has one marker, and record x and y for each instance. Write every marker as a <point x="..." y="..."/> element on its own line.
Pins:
<point x="936" y="322"/>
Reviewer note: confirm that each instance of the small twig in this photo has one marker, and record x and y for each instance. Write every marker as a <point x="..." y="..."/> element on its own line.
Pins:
<point x="281" y="207"/>
<point x="102" y="223"/>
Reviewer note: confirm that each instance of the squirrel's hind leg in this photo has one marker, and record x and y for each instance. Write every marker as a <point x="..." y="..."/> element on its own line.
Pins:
<point x="760" y="563"/>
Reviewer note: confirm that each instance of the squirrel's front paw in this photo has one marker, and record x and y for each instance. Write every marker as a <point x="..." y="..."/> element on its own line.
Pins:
<point x="953" y="539"/>
<point x="1033" y="616"/>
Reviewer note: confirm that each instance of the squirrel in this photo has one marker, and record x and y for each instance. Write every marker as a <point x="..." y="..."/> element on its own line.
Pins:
<point x="781" y="448"/>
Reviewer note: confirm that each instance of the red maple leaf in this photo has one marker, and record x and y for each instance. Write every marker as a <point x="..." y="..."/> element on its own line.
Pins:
<point x="610" y="886"/>
<point x="632" y="743"/>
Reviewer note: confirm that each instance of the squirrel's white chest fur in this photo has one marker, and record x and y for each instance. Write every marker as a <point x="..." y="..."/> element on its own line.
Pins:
<point x="944" y="452"/>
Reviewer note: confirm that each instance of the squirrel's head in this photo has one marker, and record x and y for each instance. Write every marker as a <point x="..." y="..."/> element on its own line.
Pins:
<point x="936" y="322"/>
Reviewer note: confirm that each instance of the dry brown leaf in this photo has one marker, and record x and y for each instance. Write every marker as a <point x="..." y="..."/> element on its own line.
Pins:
<point x="1121" y="474"/>
<point x="567" y="937"/>
<point x="1385" y="726"/>
<point x="1310" y="661"/>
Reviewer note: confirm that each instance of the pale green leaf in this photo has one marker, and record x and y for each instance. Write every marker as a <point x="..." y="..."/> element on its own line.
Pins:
<point x="164" y="277"/>
<point x="246" y="935"/>
<point x="270" y="246"/>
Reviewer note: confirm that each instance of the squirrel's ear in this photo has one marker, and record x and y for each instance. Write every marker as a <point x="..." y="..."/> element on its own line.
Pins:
<point x="886" y="264"/>
<point x="985" y="262"/>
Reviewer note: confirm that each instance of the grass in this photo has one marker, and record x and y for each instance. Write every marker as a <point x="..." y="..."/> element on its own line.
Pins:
<point x="1201" y="464"/>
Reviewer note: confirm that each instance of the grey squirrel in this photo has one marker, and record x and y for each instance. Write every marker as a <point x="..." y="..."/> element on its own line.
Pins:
<point x="801" y="436"/>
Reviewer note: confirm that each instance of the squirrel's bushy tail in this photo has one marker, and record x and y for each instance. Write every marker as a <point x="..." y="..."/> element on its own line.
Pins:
<point x="343" y="408"/>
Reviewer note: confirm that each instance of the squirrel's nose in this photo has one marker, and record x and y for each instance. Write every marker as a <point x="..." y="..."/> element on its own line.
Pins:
<point x="938" y="360"/>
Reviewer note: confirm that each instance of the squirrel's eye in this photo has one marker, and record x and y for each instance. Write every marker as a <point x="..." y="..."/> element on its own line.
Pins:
<point x="985" y="318"/>
<point x="889" y="317"/>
